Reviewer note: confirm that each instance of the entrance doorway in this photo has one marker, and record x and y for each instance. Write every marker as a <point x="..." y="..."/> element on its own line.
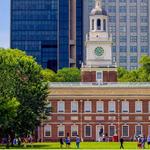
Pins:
<point x="99" y="133"/>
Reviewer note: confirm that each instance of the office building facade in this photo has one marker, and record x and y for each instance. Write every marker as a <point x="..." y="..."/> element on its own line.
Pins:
<point x="49" y="30"/>
<point x="129" y="24"/>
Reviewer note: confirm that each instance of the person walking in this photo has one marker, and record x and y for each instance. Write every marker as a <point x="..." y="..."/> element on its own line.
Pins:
<point x="78" y="142"/>
<point x="143" y="140"/>
<point x="139" y="144"/>
<point x="61" y="141"/>
<point x="121" y="143"/>
<point x="68" y="141"/>
<point x="148" y="141"/>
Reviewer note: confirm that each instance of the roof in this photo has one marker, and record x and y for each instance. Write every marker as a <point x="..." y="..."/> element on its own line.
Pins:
<point x="98" y="9"/>
<point x="98" y="12"/>
<point x="95" y="90"/>
<point x="100" y="84"/>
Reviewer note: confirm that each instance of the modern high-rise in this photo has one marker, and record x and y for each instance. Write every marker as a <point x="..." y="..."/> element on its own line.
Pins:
<point x="129" y="24"/>
<point x="49" y="30"/>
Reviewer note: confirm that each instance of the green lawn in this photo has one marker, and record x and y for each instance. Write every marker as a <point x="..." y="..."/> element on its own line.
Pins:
<point x="83" y="145"/>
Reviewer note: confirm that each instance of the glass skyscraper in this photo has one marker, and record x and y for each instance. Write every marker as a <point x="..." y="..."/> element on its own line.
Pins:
<point x="129" y="24"/>
<point x="49" y="30"/>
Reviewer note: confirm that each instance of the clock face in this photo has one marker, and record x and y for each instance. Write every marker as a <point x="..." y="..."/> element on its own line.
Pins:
<point x="99" y="51"/>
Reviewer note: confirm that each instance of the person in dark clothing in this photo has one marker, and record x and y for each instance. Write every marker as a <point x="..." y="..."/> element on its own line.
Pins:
<point x="61" y="142"/>
<point x="68" y="142"/>
<point x="121" y="143"/>
<point x="101" y="132"/>
<point x="78" y="142"/>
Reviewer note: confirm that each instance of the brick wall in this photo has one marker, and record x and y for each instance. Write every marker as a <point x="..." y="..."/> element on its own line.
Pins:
<point x="91" y="118"/>
<point x="90" y="76"/>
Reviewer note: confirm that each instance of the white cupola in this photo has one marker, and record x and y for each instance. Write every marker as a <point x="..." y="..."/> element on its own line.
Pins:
<point x="98" y="65"/>
<point x="98" y="41"/>
<point x="98" y="18"/>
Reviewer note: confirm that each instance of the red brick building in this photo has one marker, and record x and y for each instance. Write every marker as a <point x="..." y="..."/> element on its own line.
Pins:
<point x="98" y="105"/>
<point x="83" y="108"/>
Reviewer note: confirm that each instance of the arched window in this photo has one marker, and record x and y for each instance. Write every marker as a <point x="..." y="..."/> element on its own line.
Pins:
<point x="98" y="24"/>
<point x="92" y="24"/>
<point x="104" y="24"/>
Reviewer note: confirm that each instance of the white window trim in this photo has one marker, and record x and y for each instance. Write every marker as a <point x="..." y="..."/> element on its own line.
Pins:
<point x="58" y="106"/>
<point x="141" y="107"/>
<point x="122" y="107"/>
<point x="97" y="106"/>
<point x="90" y="107"/>
<point x="85" y="131"/>
<point x="49" y="126"/>
<point x="122" y="130"/>
<point x="72" y="126"/>
<point x="141" y="129"/>
<point x="109" y="107"/>
<point x="72" y="107"/>
<point x="58" y="130"/>
<point x="109" y="130"/>
<point x="98" y="80"/>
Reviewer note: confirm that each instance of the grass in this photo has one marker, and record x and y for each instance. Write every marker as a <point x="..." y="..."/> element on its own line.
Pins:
<point x="83" y="145"/>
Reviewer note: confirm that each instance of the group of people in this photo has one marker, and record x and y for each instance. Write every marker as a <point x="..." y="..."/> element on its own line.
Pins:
<point x="24" y="140"/>
<point x="12" y="141"/>
<point x="142" y="140"/>
<point x="67" y="141"/>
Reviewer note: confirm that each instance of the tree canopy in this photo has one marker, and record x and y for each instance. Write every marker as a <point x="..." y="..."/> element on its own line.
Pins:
<point x="48" y="75"/>
<point x="63" y="75"/>
<point x="68" y="75"/>
<point x="22" y="91"/>
<point x="141" y="74"/>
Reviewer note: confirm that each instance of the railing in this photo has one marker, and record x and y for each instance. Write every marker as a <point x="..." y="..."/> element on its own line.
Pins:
<point x="100" y="84"/>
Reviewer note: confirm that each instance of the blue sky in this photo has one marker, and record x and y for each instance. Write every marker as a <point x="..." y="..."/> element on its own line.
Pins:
<point x="4" y="23"/>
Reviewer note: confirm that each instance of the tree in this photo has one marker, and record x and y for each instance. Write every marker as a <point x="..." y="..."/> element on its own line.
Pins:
<point x="142" y="74"/>
<point x="8" y="111"/>
<point x="121" y="72"/>
<point x="68" y="75"/>
<point x="22" y="90"/>
<point x="145" y="63"/>
<point x="127" y="76"/>
<point x="48" y="75"/>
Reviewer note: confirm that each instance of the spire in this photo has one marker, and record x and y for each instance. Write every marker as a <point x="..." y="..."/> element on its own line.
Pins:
<point x="98" y="10"/>
<point x="98" y="4"/>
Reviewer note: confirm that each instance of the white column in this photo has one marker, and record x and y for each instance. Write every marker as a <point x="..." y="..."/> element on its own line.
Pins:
<point x="95" y="24"/>
<point x="102" y="23"/>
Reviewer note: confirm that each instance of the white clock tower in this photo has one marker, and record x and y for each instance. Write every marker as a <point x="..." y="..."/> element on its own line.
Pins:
<point x="98" y="66"/>
<point x="98" y="40"/>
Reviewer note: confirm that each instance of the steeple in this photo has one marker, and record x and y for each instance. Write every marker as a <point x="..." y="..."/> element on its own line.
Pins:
<point x="98" y="48"/>
<point x="98" y="4"/>
<point x="98" y="40"/>
<point x="98" y="9"/>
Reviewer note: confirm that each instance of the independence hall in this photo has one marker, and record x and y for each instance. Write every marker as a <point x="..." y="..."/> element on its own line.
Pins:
<point x="98" y="105"/>
<point x="85" y="108"/>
